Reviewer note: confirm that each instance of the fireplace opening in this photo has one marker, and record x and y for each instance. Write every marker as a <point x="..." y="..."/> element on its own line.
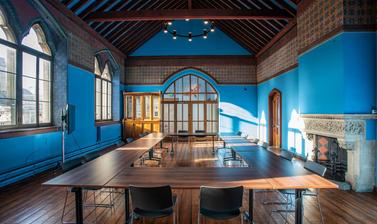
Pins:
<point x="328" y="153"/>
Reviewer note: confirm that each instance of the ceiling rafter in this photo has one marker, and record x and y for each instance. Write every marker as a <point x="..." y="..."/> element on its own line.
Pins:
<point x="125" y="24"/>
<point x="78" y="5"/>
<point x="128" y="24"/>
<point x="213" y="14"/>
<point x="120" y="6"/>
<point x="158" y="26"/>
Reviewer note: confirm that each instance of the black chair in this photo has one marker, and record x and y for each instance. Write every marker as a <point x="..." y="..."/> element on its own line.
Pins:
<point x="153" y="202"/>
<point x="184" y="137"/>
<point x="129" y="140"/>
<point x="200" y="137"/>
<point x="143" y="134"/>
<point x="220" y="203"/>
<point x="233" y="155"/>
<point x="284" y="154"/>
<point x="317" y="169"/>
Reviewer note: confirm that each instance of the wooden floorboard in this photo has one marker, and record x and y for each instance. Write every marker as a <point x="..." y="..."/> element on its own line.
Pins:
<point x="29" y="202"/>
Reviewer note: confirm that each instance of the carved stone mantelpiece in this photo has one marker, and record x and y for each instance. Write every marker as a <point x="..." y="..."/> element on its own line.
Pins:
<point x="350" y="132"/>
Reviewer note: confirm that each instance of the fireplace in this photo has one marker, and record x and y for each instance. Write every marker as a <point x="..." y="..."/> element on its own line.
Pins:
<point x="341" y="142"/>
<point x="327" y="152"/>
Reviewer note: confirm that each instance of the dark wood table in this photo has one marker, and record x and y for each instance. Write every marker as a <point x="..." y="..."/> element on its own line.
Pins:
<point x="265" y="171"/>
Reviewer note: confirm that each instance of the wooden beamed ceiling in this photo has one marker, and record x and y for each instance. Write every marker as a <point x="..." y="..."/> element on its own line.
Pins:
<point x="128" y="24"/>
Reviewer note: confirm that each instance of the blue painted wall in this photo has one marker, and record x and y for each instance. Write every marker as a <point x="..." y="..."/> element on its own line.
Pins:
<point x="237" y="103"/>
<point x="217" y="43"/>
<point x="24" y="156"/>
<point x="287" y="84"/>
<point x="338" y="76"/>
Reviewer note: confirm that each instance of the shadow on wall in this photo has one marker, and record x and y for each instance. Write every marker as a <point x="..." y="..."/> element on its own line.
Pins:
<point x="234" y="118"/>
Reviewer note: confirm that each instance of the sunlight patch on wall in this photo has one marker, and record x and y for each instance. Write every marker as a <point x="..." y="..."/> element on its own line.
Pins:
<point x="263" y="127"/>
<point x="294" y="133"/>
<point x="234" y="118"/>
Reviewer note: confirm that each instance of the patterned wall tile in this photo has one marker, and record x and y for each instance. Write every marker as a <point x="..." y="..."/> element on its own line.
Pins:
<point x="224" y="74"/>
<point x="281" y="56"/>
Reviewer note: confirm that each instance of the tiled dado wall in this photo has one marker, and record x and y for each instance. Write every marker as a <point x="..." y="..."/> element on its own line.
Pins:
<point x="225" y="70"/>
<point x="317" y="20"/>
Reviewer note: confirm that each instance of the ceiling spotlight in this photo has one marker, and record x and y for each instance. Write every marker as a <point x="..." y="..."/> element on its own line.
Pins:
<point x="165" y="28"/>
<point x="190" y="37"/>
<point x="170" y="23"/>
<point x="205" y="33"/>
<point x="174" y="34"/>
<point x="187" y="20"/>
<point x="212" y="27"/>
<point x="206" y="22"/>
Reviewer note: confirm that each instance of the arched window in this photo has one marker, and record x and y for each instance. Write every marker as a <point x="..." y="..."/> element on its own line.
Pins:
<point x="36" y="78"/>
<point x="190" y="103"/>
<point x="8" y="76"/>
<point x="103" y="88"/>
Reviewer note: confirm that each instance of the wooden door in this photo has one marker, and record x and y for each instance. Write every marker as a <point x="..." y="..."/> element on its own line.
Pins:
<point x="141" y="113"/>
<point x="275" y="118"/>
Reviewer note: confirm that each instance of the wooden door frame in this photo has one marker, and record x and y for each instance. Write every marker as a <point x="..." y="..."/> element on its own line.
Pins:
<point x="270" y="128"/>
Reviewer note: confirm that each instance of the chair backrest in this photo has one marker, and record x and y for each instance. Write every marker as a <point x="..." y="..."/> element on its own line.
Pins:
<point x="200" y="131"/>
<point x="239" y="133"/>
<point x="315" y="168"/>
<point x="151" y="198"/>
<point x="182" y="131"/>
<point x="221" y="199"/>
<point x="143" y="134"/>
<point x="129" y="140"/>
<point x="286" y="155"/>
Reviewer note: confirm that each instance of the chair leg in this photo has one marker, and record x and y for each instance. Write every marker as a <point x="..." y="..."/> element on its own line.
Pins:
<point x="95" y="207"/>
<point x="65" y="204"/>
<point x="241" y="216"/>
<point x="132" y="218"/>
<point x="320" y="207"/>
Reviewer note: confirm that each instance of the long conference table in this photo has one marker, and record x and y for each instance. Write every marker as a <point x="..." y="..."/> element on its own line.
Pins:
<point x="265" y="171"/>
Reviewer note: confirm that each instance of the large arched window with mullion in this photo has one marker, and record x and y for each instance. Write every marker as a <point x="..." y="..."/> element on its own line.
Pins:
<point x="103" y="88"/>
<point x="36" y="78"/>
<point x="8" y="75"/>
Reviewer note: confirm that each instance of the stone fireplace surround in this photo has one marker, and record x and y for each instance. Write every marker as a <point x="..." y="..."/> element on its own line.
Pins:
<point x="350" y="132"/>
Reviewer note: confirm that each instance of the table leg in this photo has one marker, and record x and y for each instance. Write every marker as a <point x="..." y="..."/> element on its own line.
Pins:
<point x="127" y="205"/>
<point x="251" y="205"/>
<point x="172" y="146"/>
<point x="78" y="203"/>
<point x="299" y="210"/>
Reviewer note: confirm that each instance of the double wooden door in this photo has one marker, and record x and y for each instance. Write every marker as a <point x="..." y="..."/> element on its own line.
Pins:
<point x="190" y="116"/>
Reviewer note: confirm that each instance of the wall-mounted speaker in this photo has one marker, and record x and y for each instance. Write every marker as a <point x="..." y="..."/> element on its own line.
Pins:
<point x="68" y="118"/>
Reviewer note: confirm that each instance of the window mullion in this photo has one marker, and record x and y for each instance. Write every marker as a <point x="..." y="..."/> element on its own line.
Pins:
<point x="19" y="94"/>
<point x="37" y="94"/>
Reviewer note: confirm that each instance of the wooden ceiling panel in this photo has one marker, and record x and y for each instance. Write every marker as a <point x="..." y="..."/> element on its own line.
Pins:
<point x="254" y="24"/>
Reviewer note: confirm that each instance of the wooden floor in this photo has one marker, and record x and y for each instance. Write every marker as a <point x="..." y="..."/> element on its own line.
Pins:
<point x="29" y="202"/>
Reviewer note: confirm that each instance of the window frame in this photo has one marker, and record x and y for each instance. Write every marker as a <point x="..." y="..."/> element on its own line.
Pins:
<point x="102" y="79"/>
<point x="20" y="49"/>
<point x="175" y="101"/>
<point x="39" y="55"/>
